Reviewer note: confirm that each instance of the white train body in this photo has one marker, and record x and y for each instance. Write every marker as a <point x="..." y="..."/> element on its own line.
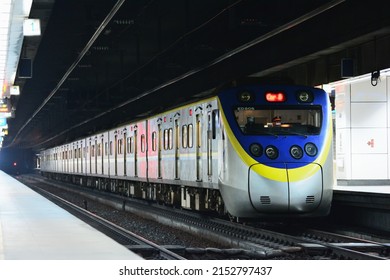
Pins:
<point x="192" y="156"/>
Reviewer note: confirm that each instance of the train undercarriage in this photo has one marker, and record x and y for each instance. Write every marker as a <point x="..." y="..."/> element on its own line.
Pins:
<point x="186" y="197"/>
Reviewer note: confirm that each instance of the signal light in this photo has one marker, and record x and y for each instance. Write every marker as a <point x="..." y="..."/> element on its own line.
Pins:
<point x="246" y="96"/>
<point x="305" y="96"/>
<point x="275" y="96"/>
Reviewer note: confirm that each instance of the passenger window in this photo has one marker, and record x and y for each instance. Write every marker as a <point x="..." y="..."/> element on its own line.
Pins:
<point x="93" y="150"/>
<point x="120" y="146"/>
<point x="154" y="141"/>
<point x="128" y="144"/>
<point x="170" y="139"/>
<point x="165" y="139"/>
<point x="184" y="136"/>
<point x="143" y="143"/>
<point x="190" y="136"/>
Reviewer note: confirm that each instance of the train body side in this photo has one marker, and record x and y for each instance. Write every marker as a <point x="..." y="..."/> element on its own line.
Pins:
<point x="195" y="155"/>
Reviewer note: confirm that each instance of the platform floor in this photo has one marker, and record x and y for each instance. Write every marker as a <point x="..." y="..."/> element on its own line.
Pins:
<point x="364" y="189"/>
<point x="33" y="228"/>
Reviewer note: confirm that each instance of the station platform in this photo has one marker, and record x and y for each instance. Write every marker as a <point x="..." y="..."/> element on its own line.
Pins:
<point x="365" y="188"/>
<point x="34" y="228"/>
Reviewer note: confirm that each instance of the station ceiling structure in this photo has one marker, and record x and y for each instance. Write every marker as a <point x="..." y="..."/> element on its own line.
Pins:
<point x="99" y="63"/>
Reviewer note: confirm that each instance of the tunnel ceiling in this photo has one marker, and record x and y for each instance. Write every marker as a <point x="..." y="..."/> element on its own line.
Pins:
<point x="101" y="62"/>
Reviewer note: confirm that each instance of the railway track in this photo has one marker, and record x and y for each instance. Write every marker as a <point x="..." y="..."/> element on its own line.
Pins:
<point x="135" y="242"/>
<point x="347" y="245"/>
<point x="245" y="241"/>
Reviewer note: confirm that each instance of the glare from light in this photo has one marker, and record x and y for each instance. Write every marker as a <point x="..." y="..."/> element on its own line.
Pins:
<point x="5" y="17"/>
<point x="12" y="15"/>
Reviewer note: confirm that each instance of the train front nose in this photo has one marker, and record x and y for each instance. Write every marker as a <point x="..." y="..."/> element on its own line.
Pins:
<point x="285" y="190"/>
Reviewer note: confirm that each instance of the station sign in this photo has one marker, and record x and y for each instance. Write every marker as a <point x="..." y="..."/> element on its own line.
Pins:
<point x="31" y="27"/>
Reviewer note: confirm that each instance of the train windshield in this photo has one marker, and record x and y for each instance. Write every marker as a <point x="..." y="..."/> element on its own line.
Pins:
<point x="277" y="121"/>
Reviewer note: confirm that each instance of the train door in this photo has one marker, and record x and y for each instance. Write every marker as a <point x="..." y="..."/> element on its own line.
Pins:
<point x="198" y="147"/>
<point x="90" y="157"/>
<point x="66" y="159"/>
<point x="209" y="144"/>
<point x="135" y="151"/>
<point x="116" y="154"/>
<point x="56" y="159"/>
<point x="96" y="154"/>
<point x="102" y="153"/>
<point x="74" y="151"/>
<point x="159" y="151"/>
<point x="77" y="152"/>
<point x="81" y="157"/>
<point x="177" y="152"/>
<point x="124" y="153"/>
<point x="75" y="159"/>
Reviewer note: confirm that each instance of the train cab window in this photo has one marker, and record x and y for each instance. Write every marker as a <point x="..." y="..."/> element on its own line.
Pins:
<point x="276" y="121"/>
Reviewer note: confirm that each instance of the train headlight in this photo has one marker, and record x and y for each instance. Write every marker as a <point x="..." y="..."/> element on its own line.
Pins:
<point x="311" y="149"/>
<point x="246" y="96"/>
<point x="256" y="149"/>
<point x="271" y="152"/>
<point x="305" y="96"/>
<point x="296" y="152"/>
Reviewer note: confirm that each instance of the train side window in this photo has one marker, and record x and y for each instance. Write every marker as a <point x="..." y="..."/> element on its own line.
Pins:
<point x="132" y="144"/>
<point x="190" y="136"/>
<point x="143" y="143"/>
<point x="128" y="145"/>
<point x="154" y="141"/>
<point x="170" y="139"/>
<point x="110" y="148"/>
<point x="120" y="146"/>
<point x="105" y="148"/>
<point x="165" y="139"/>
<point x="99" y="150"/>
<point x="199" y="133"/>
<point x="184" y="136"/>
<point x="93" y="150"/>
<point x="215" y="122"/>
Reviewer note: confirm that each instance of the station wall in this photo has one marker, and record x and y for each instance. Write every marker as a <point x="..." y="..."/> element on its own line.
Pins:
<point x="362" y="129"/>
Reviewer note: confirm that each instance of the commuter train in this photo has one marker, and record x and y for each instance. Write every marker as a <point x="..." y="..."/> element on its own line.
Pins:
<point x="249" y="151"/>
